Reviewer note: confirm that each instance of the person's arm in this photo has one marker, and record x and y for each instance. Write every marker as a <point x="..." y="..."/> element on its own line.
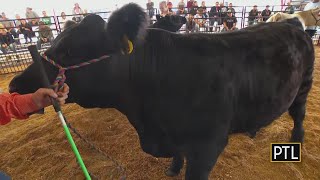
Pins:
<point x="211" y="12"/>
<point x="251" y="15"/>
<point x="41" y="34"/>
<point x="15" y="106"/>
<point x="50" y="33"/>
<point x="35" y="14"/>
<point x="21" y="106"/>
<point x="27" y="27"/>
<point x="1" y="39"/>
<point x="225" y="25"/>
<point x="196" y="20"/>
<point x="234" y="24"/>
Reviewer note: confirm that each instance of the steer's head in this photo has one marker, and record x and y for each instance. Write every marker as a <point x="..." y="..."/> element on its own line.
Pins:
<point x="169" y="22"/>
<point x="81" y="42"/>
<point x="95" y="85"/>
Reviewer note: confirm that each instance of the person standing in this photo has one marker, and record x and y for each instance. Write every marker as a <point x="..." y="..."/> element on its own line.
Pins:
<point x="77" y="11"/>
<point x="311" y="30"/>
<point x="150" y="8"/>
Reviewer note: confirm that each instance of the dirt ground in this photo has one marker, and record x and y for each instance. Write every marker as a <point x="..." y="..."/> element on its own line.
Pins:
<point x="37" y="148"/>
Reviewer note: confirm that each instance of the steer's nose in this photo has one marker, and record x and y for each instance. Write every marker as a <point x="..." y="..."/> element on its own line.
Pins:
<point x="12" y="88"/>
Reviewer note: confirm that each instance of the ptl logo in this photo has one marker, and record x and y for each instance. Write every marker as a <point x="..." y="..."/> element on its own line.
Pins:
<point x="285" y="152"/>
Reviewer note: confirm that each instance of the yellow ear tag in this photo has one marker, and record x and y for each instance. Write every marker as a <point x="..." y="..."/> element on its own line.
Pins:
<point x="130" y="47"/>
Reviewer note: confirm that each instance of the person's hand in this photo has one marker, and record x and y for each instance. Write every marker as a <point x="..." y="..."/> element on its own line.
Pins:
<point x="42" y="96"/>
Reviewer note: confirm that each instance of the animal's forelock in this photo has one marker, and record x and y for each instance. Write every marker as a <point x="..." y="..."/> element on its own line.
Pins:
<point x="130" y="20"/>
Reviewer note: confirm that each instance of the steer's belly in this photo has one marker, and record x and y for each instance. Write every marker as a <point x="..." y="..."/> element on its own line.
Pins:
<point x="255" y="114"/>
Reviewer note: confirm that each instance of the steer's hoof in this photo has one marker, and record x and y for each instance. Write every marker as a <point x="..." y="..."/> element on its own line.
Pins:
<point x="297" y="135"/>
<point x="171" y="173"/>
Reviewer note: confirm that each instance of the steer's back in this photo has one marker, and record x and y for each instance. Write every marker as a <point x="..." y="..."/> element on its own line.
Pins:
<point x="244" y="79"/>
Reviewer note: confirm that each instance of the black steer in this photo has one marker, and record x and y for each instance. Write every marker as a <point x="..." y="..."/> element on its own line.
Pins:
<point x="184" y="94"/>
<point x="169" y="22"/>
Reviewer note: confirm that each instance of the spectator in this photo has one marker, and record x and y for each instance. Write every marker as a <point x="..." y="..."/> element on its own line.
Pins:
<point x="33" y="17"/>
<point x="259" y="18"/>
<point x="46" y="19"/>
<point x="190" y="24"/>
<point x="9" y="25"/>
<point x="77" y="11"/>
<point x="164" y="9"/>
<point x="200" y="20"/>
<point x="223" y="11"/>
<point x="194" y="8"/>
<point x="150" y="8"/>
<point x="169" y="5"/>
<point x="266" y="13"/>
<point x="181" y="11"/>
<point x="230" y="7"/>
<point x="204" y="7"/>
<point x="18" y="22"/>
<point x="189" y="5"/>
<point x="45" y="34"/>
<point x="289" y="9"/>
<point x="253" y="14"/>
<point x="181" y="4"/>
<point x="64" y="18"/>
<point x="214" y="14"/>
<point x="230" y="22"/>
<point x="26" y="30"/>
<point x="85" y="12"/>
<point x="311" y="30"/>
<point x="6" y="41"/>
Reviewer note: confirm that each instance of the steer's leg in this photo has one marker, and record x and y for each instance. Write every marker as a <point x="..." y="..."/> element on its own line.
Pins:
<point x="176" y="165"/>
<point x="202" y="158"/>
<point x="297" y="112"/>
<point x="298" y="108"/>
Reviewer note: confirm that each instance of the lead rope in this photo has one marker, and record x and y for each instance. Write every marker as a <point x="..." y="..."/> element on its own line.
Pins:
<point x="58" y="84"/>
<point x="317" y="20"/>
<point x="61" y="77"/>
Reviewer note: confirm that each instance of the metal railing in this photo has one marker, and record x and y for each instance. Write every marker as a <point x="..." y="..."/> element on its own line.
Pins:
<point x="15" y="62"/>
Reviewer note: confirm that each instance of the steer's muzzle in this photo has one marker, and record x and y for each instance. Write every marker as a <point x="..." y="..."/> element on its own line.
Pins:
<point x="12" y="87"/>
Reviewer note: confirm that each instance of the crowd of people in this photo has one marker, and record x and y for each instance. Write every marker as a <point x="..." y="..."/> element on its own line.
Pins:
<point x="12" y="28"/>
<point x="220" y="15"/>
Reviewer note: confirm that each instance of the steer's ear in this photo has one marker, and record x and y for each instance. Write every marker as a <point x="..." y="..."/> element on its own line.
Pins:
<point x="158" y="17"/>
<point x="127" y="23"/>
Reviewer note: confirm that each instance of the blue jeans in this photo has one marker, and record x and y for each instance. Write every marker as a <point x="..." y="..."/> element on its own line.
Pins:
<point x="3" y="176"/>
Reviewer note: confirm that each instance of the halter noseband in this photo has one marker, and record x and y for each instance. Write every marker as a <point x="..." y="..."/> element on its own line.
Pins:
<point x="61" y="77"/>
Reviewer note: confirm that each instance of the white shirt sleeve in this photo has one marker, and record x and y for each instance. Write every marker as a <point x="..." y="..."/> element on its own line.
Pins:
<point x="311" y="5"/>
